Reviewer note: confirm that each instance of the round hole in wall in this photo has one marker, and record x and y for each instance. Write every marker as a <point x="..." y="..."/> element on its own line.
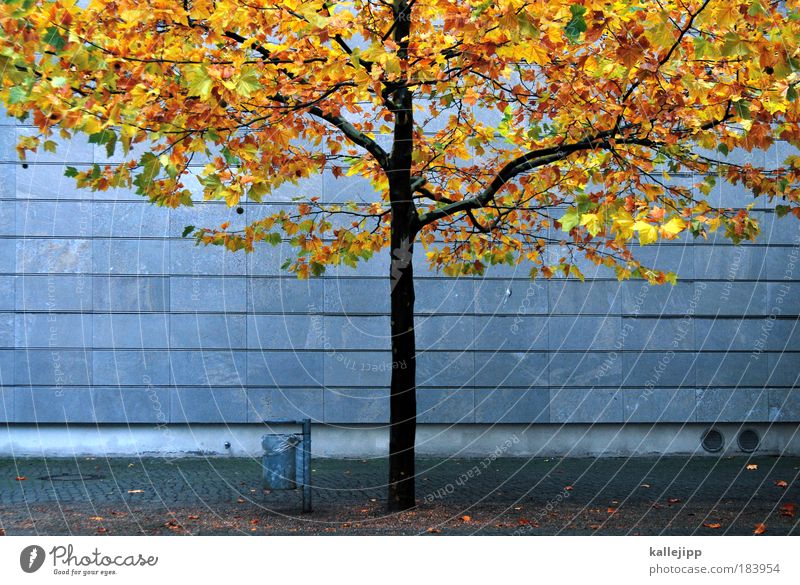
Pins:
<point x="713" y="441"/>
<point x="240" y="210"/>
<point x="748" y="440"/>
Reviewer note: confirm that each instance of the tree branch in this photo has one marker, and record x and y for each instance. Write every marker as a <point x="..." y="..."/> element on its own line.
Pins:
<point x="527" y="162"/>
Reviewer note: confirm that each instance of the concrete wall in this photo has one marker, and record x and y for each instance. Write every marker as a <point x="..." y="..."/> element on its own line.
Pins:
<point x="108" y="316"/>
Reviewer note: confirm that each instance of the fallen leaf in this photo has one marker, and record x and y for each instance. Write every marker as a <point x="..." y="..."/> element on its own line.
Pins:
<point x="781" y="484"/>
<point x="434" y="530"/>
<point x="115" y="513"/>
<point x="787" y="510"/>
<point x="612" y="510"/>
<point x="645" y="485"/>
<point x="98" y="518"/>
<point x="568" y="488"/>
<point x="135" y="491"/>
<point x="713" y="525"/>
<point x="594" y="526"/>
<point x="21" y="478"/>
<point x="102" y="530"/>
<point x="673" y="501"/>
<point x="656" y="506"/>
<point x="751" y="467"/>
<point x="254" y="521"/>
<point x="193" y="517"/>
<point x="760" y="528"/>
<point x="240" y="500"/>
<point x="2" y="532"/>
<point x="466" y="518"/>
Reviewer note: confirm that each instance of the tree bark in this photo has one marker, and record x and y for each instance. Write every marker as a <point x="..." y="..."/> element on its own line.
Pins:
<point x="404" y="224"/>
<point x="403" y="399"/>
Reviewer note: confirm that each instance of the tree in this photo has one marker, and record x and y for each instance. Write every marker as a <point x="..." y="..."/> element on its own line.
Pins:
<point x="596" y="103"/>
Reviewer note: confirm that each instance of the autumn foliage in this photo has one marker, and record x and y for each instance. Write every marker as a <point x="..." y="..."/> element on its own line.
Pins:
<point x="593" y="106"/>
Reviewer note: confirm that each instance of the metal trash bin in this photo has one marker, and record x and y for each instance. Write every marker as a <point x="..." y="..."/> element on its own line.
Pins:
<point x="280" y="461"/>
<point x="287" y="459"/>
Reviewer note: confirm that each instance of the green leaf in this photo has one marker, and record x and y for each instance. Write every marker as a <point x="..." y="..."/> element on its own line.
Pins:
<point x="231" y="159"/>
<point x="723" y="148"/>
<point x="17" y="95"/>
<point x="187" y="230"/>
<point x="111" y="143"/>
<point x="756" y="8"/>
<point x="317" y="269"/>
<point x="570" y="219"/>
<point x="199" y="82"/>
<point x="782" y="210"/>
<point x="53" y="37"/>
<point x="71" y="172"/>
<point x="791" y="93"/>
<point x="151" y="166"/>
<point x="742" y="109"/>
<point x="248" y="83"/>
<point x="577" y="25"/>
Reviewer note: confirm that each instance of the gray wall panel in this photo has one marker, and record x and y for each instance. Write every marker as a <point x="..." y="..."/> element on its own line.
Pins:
<point x="108" y="315"/>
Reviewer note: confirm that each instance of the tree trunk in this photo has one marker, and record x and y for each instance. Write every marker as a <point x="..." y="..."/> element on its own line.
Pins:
<point x="404" y="223"/>
<point x="403" y="399"/>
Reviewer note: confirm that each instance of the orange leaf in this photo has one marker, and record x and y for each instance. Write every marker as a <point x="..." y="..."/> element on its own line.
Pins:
<point x="254" y="521"/>
<point x="612" y="510"/>
<point x="787" y="510"/>
<point x="225" y="225"/>
<point x="760" y="528"/>
<point x="20" y="478"/>
<point x="466" y="518"/>
<point x="193" y="517"/>
<point x="568" y="488"/>
<point x="98" y="518"/>
<point x="434" y="530"/>
<point x="751" y="466"/>
<point x="594" y="526"/>
<point x="714" y="525"/>
<point x="781" y="484"/>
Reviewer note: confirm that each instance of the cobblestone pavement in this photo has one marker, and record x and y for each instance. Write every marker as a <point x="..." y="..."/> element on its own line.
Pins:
<point x="668" y="495"/>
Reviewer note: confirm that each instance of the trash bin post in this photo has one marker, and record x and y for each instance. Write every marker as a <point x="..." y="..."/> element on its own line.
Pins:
<point x="306" y="465"/>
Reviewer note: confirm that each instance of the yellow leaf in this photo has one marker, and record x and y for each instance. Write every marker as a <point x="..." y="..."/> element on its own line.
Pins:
<point x="648" y="233"/>
<point x="592" y="223"/>
<point x="622" y="224"/>
<point x="673" y="227"/>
